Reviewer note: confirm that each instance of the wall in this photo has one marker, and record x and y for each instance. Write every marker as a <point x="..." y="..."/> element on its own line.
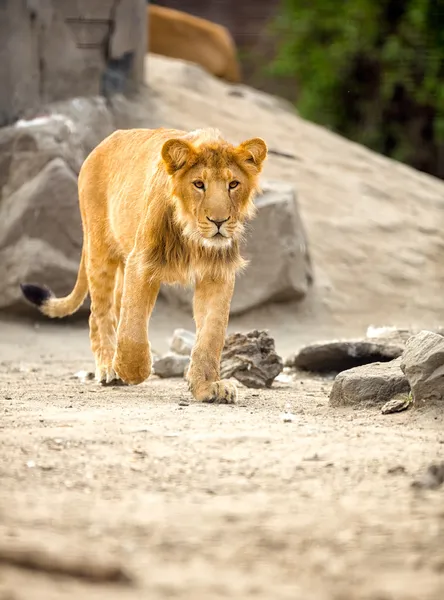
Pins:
<point x="58" y="49"/>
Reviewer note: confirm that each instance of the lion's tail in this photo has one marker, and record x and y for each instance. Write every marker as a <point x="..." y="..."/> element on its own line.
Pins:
<point x="49" y="305"/>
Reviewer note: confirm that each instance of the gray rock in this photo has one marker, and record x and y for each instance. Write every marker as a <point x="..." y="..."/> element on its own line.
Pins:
<point x="432" y="479"/>
<point x="397" y="404"/>
<point x="340" y="355"/>
<point x="369" y="385"/>
<point x="395" y="334"/>
<point x="276" y="246"/>
<point x="251" y="359"/>
<point x="182" y="342"/>
<point x="40" y="234"/>
<point x="58" y="50"/>
<point x="66" y="130"/>
<point x="40" y="228"/>
<point x="170" y="365"/>
<point x="423" y="365"/>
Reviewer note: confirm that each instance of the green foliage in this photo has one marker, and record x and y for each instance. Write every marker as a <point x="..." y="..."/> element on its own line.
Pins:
<point x="373" y="70"/>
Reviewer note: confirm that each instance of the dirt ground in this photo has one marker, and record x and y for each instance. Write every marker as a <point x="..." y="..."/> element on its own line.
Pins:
<point x="203" y="501"/>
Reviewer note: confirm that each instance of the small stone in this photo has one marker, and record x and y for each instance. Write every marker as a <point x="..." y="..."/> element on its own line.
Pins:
<point x="369" y="385"/>
<point x="423" y="365"/>
<point x="432" y="479"/>
<point x="398" y="470"/>
<point x="339" y="355"/>
<point x="314" y="458"/>
<point x="170" y="365"/>
<point x="183" y="403"/>
<point x="397" y="404"/>
<point x="287" y="417"/>
<point x="251" y="359"/>
<point x="84" y="376"/>
<point x="182" y="342"/>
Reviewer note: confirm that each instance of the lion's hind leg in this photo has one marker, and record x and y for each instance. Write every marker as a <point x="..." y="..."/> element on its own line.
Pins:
<point x="118" y="290"/>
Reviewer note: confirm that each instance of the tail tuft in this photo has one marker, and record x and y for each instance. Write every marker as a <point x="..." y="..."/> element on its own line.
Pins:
<point x="36" y="294"/>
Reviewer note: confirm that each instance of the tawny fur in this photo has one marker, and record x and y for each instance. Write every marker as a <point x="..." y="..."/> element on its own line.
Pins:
<point x="177" y="34"/>
<point x="161" y="206"/>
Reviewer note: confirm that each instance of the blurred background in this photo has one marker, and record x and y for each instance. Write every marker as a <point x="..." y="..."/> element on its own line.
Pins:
<point x="370" y="70"/>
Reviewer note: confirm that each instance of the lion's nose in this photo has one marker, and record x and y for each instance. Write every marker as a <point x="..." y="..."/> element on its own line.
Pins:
<point x="218" y="223"/>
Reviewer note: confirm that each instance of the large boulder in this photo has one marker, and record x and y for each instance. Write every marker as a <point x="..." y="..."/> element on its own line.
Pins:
<point x="40" y="232"/>
<point x="423" y="365"/>
<point x="340" y="355"/>
<point x="40" y="158"/>
<point x="369" y="385"/>
<point x="56" y="50"/>
<point x="277" y="248"/>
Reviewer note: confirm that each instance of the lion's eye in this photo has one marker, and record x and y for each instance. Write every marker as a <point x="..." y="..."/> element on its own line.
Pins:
<point x="233" y="184"/>
<point x="199" y="184"/>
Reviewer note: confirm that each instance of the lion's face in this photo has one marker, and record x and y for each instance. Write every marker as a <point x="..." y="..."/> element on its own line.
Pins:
<point x="213" y="185"/>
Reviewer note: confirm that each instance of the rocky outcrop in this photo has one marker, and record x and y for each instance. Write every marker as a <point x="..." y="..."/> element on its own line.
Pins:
<point x="54" y="51"/>
<point x="40" y="226"/>
<point x="369" y="385"/>
<point x="423" y="366"/>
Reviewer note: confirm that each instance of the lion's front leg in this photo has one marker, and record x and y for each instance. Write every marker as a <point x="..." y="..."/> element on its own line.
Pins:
<point x="211" y="310"/>
<point x="132" y="358"/>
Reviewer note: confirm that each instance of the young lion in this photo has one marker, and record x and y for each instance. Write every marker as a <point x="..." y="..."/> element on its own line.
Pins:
<point x="157" y="206"/>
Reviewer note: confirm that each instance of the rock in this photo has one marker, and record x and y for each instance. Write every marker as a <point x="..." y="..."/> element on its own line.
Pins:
<point x="432" y="479"/>
<point x="396" y="334"/>
<point x="182" y="342"/>
<point x="423" y="365"/>
<point x="277" y="249"/>
<point x="397" y="404"/>
<point x="369" y="385"/>
<point x="340" y="355"/>
<point x="84" y="376"/>
<point x="40" y="227"/>
<point x="40" y="233"/>
<point x="170" y="365"/>
<point x="251" y="359"/>
<point x="397" y="470"/>
<point x="389" y="333"/>
<point x="53" y="51"/>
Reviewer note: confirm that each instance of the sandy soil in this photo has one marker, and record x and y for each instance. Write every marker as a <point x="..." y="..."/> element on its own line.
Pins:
<point x="201" y="501"/>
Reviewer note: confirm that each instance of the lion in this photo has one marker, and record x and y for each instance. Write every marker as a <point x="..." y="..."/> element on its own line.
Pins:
<point x="176" y="34"/>
<point x="160" y="206"/>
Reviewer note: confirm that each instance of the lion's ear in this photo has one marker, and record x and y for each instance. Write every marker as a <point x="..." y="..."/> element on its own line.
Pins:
<point x="253" y="152"/>
<point x="175" y="154"/>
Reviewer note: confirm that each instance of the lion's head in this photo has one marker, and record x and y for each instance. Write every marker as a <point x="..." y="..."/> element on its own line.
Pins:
<point x="213" y="184"/>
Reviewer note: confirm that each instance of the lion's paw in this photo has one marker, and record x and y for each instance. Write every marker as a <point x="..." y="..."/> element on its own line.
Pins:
<point x="132" y="372"/>
<point x="106" y="375"/>
<point x="219" y="392"/>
